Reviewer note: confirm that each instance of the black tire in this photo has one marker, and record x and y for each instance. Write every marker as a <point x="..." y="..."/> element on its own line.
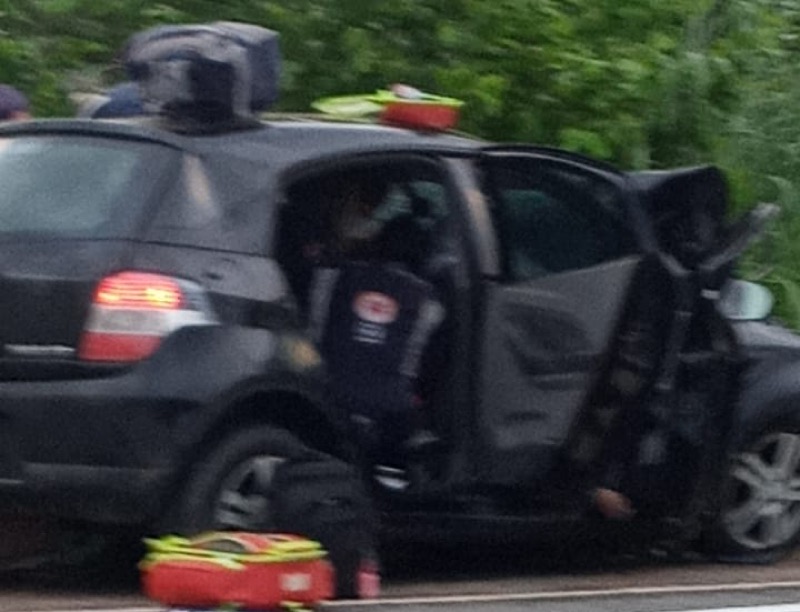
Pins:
<point x="759" y="517"/>
<point x="266" y="480"/>
<point x="231" y="487"/>
<point x="326" y="501"/>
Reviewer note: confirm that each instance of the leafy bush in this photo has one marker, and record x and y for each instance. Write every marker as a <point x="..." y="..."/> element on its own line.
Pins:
<point x="643" y="83"/>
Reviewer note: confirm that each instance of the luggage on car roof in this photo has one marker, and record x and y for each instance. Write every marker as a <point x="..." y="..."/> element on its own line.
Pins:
<point x="209" y="71"/>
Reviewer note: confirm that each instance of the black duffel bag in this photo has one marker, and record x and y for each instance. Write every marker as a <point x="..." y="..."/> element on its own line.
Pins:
<point x="206" y="72"/>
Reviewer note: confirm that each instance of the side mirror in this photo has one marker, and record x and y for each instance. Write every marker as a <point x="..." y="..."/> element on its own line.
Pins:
<point x="745" y="301"/>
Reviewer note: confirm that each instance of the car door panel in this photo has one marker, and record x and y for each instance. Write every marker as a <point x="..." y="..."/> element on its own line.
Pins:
<point x="546" y="342"/>
<point x="569" y="258"/>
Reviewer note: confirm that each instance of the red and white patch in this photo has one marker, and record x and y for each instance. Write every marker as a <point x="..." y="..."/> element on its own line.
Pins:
<point x="375" y="307"/>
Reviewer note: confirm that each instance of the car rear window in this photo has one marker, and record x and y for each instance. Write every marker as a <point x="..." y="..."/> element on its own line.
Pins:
<point x="82" y="187"/>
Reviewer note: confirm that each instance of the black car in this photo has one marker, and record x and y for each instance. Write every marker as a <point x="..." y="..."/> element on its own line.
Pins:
<point x="157" y="368"/>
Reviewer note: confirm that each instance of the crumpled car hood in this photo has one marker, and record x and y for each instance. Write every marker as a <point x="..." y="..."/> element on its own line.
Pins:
<point x="760" y="338"/>
<point x="687" y="207"/>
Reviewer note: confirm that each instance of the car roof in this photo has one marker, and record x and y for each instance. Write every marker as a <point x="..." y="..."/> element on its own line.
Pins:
<point x="282" y="140"/>
<point x="247" y="166"/>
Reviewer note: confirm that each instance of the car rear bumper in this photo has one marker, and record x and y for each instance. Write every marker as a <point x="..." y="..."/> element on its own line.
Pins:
<point x="95" y="450"/>
<point x="85" y="493"/>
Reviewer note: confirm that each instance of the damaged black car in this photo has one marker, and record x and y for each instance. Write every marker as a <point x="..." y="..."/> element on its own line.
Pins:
<point x="360" y="331"/>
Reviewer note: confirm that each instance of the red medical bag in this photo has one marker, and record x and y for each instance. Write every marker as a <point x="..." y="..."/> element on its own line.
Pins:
<point x="245" y="570"/>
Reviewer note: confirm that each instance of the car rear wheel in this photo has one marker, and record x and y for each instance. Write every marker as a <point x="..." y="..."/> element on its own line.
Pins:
<point x="266" y="480"/>
<point x="760" y="516"/>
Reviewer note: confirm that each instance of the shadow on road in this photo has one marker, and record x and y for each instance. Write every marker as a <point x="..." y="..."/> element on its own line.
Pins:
<point x="434" y="563"/>
<point x="97" y="565"/>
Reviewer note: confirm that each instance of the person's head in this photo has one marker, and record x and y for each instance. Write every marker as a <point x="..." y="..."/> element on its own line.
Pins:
<point x="13" y="104"/>
<point x="358" y="195"/>
<point x="120" y="101"/>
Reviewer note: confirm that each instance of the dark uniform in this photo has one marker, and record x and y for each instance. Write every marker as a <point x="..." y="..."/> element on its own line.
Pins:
<point x="372" y="321"/>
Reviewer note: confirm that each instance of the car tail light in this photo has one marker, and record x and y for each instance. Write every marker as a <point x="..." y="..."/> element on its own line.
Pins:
<point x="132" y="312"/>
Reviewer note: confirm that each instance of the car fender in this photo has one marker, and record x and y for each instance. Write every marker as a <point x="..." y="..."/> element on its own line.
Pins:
<point x="215" y="358"/>
<point x="770" y="390"/>
<point x="224" y="365"/>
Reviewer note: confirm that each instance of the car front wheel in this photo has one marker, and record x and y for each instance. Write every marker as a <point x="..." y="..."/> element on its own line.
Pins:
<point x="760" y="516"/>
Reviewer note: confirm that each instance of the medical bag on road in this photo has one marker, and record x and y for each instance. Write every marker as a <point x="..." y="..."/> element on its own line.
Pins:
<point x="236" y="569"/>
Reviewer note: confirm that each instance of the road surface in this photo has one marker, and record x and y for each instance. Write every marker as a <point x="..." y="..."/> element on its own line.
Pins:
<point x="447" y="580"/>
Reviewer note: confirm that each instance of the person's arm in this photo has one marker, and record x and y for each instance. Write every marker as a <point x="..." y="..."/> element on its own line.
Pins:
<point x="322" y="285"/>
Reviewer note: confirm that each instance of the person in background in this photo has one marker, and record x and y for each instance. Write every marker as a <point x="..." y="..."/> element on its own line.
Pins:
<point x="13" y="104"/>
<point x="122" y="100"/>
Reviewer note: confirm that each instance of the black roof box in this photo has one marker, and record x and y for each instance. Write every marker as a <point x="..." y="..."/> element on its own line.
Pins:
<point x="209" y="72"/>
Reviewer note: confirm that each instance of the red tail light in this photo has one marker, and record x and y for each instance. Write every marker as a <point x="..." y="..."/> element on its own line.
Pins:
<point x="132" y="312"/>
<point x="139" y="290"/>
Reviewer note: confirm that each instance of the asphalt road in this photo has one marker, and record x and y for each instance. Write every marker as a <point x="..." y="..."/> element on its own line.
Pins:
<point x="763" y="601"/>
<point x="476" y="582"/>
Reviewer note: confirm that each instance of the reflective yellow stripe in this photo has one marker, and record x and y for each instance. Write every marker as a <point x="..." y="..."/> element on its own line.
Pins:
<point x="169" y="548"/>
<point x="150" y="560"/>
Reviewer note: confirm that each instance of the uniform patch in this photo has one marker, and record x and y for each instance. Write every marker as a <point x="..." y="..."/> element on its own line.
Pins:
<point x="375" y="307"/>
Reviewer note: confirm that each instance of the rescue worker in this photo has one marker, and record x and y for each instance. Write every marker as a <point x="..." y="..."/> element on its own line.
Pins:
<point x="372" y="320"/>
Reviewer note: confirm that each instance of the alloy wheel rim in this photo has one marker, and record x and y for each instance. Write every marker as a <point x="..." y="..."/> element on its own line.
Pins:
<point x="764" y="512"/>
<point x="243" y="500"/>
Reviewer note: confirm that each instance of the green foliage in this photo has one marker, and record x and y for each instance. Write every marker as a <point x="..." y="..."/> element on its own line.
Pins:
<point x="644" y="83"/>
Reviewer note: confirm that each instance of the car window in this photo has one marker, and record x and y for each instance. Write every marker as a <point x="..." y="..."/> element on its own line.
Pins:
<point x="552" y="218"/>
<point x="73" y="186"/>
<point x="194" y="202"/>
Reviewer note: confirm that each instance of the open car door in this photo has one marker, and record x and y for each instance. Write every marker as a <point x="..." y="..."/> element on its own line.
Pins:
<point x="602" y="346"/>
<point x="671" y="458"/>
<point x="569" y="250"/>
